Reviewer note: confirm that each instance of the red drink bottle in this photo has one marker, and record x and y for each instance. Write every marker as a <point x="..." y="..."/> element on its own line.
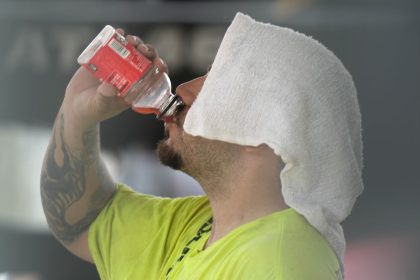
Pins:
<point x="110" y="58"/>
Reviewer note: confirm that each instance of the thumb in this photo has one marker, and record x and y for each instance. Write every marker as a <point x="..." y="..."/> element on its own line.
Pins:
<point x="107" y="90"/>
<point x="107" y="103"/>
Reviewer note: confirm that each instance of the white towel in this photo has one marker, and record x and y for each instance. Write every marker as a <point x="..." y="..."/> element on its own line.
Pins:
<point x="273" y="85"/>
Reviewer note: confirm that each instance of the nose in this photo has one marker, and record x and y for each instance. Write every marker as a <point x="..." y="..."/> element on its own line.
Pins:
<point x="189" y="91"/>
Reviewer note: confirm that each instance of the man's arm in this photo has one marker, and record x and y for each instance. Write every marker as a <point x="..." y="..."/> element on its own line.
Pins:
<point x="75" y="184"/>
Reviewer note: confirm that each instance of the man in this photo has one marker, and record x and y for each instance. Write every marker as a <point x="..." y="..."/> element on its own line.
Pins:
<point x="272" y="134"/>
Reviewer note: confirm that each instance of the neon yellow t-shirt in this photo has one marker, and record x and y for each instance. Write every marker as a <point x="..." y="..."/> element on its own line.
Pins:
<point x="140" y="236"/>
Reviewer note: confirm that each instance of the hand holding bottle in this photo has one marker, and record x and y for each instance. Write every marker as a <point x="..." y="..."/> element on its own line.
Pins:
<point x="88" y="101"/>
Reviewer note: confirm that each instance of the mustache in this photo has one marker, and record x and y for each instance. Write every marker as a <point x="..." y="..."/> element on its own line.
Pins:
<point x="177" y="120"/>
<point x="180" y="110"/>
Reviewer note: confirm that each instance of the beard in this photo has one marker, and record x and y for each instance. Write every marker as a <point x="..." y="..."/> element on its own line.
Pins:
<point x="195" y="155"/>
<point x="207" y="161"/>
<point x="167" y="154"/>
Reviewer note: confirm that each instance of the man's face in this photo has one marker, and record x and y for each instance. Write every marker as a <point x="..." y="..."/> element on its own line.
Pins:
<point x="197" y="156"/>
<point x="172" y="146"/>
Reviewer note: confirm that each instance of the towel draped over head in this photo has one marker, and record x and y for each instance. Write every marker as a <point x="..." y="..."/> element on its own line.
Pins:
<point x="275" y="86"/>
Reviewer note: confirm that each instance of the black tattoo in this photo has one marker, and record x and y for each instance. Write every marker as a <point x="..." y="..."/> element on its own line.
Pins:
<point x="64" y="183"/>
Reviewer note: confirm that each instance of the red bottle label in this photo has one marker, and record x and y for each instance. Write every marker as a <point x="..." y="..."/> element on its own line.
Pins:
<point x="119" y="64"/>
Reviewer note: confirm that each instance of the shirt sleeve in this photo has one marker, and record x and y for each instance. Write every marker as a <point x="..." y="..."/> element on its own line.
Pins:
<point x="138" y="230"/>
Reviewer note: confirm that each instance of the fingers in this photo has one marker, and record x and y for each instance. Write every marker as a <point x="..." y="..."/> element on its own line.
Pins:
<point x="120" y="30"/>
<point x="134" y="40"/>
<point x="161" y="64"/>
<point x="107" y="101"/>
<point x="82" y="80"/>
<point x="152" y="54"/>
<point x="107" y="91"/>
<point x="148" y="51"/>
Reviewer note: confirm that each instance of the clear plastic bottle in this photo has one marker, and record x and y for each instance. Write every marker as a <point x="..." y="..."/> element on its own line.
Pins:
<point x="153" y="95"/>
<point x="110" y="58"/>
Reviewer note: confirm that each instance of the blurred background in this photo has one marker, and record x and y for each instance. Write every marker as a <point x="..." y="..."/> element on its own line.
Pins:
<point x="377" y="40"/>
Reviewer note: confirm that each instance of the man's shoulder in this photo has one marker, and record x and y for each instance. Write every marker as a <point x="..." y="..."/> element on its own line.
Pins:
<point x="283" y="238"/>
<point x="284" y="255"/>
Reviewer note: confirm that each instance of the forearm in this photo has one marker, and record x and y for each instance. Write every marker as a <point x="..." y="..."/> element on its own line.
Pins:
<point x="75" y="184"/>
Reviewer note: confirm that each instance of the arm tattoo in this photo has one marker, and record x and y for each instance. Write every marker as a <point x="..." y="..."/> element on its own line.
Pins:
<point x="64" y="183"/>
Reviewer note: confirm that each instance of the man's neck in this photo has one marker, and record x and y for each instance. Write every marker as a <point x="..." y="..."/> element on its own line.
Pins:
<point x="244" y="197"/>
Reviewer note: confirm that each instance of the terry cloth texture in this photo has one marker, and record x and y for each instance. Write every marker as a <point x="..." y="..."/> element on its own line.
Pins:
<point x="275" y="86"/>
